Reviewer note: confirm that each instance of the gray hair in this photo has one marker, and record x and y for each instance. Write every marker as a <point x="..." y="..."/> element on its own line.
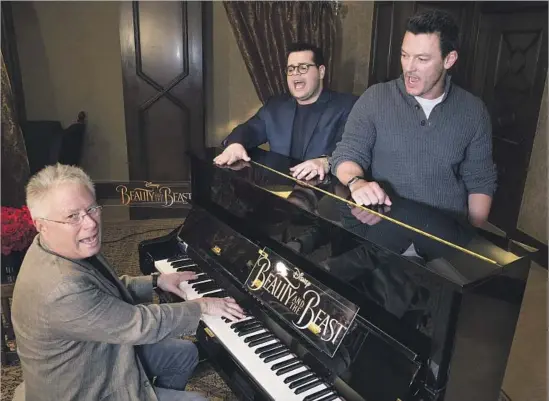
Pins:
<point x="50" y="177"/>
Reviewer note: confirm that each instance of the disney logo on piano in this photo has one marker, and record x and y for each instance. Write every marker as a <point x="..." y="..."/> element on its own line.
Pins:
<point x="299" y="276"/>
<point x="308" y="304"/>
<point x="153" y="194"/>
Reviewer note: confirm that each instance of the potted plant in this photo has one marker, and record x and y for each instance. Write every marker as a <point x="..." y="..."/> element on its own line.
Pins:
<point x="18" y="232"/>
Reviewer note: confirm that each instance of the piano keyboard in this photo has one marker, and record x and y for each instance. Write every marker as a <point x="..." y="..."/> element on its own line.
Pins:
<point x="281" y="373"/>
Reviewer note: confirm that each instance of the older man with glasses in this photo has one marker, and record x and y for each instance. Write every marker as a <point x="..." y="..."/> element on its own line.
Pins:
<point x="305" y="124"/>
<point x="83" y="333"/>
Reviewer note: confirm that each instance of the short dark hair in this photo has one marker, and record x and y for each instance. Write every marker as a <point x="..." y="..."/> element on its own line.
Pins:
<point x="318" y="57"/>
<point x="436" y="21"/>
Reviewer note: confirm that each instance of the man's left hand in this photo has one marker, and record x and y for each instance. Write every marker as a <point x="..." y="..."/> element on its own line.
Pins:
<point x="170" y="282"/>
<point x="310" y="169"/>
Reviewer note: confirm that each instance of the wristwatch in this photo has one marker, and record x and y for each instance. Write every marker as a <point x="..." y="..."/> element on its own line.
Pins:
<point x="353" y="180"/>
<point x="328" y="164"/>
<point x="155" y="280"/>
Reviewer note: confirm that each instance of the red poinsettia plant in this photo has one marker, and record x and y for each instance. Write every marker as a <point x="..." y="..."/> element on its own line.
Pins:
<point x="18" y="231"/>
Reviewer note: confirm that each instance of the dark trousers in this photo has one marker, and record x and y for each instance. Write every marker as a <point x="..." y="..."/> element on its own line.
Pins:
<point x="172" y="361"/>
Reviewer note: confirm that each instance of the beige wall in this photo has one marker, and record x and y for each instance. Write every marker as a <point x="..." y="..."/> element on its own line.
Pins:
<point x="69" y="56"/>
<point x="352" y="58"/>
<point x="533" y="212"/>
<point x="231" y="98"/>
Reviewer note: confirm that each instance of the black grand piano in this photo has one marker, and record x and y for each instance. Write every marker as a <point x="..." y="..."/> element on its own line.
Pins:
<point x="344" y="303"/>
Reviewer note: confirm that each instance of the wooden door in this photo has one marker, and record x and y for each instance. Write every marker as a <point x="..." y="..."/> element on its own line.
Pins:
<point x="162" y="66"/>
<point x="389" y="27"/>
<point x="502" y="59"/>
<point x="509" y="75"/>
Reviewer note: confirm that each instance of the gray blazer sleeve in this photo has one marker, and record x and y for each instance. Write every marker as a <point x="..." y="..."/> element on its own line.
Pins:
<point x="79" y="310"/>
<point x="139" y="287"/>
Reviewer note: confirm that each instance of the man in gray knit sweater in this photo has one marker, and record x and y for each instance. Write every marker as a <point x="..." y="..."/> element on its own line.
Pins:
<point x="423" y="137"/>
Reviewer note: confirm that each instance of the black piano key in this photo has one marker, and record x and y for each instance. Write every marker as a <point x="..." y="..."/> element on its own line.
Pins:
<point x="258" y="339"/>
<point x="218" y="294"/>
<point x="226" y="320"/>
<point x="266" y="354"/>
<point x="200" y="278"/>
<point x="288" y="369"/>
<point x="285" y="363"/>
<point x="249" y="330"/>
<point x="267" y="347"/>
<point x="306" y="387"/>
<point x="331" y="397"/>
<point x="248" y="324"/>
<point x="276" y="356"/>
<point x="302" y="381"/>
<point x="178" y="257"/>
<point x="200" y="285"/>
<point x="206" y="290"/>
<point x="193" y="268"/>
<point x="183" y="263"/>
<point x="318" y="394"/>
<point x="297" y="376"/>
<point x="205" y="287"/>
<point x="240" y="324"/>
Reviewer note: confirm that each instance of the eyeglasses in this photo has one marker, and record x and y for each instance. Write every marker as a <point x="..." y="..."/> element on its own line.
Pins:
<point x="76" y="219"/>
<point x="298" y="69"/>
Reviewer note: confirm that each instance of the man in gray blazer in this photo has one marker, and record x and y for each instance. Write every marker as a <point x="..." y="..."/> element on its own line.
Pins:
<point x="82" y="333"/>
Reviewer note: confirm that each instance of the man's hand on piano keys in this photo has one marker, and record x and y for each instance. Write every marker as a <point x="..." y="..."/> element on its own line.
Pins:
<point x="224" y="307"/>
<point x="170" y="281"/>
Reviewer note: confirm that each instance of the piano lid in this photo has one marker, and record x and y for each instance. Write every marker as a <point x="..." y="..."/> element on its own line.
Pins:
<point x="441" y="242"/>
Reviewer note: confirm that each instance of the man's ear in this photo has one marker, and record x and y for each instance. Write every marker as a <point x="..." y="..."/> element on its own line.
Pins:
<point x="40" y="226"/>
<point x="450" y="59"/>
<point x="322" y="71"/>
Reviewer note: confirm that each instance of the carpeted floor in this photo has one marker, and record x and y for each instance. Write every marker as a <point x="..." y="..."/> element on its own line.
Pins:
<point x="120" y="247"/>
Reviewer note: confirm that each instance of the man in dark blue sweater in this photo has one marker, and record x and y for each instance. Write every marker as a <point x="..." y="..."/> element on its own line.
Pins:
<point x="305" y="124"/>
<point x="423" y="137"/>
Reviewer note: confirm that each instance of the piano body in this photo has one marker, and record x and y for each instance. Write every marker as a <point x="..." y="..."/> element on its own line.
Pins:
<point x="412" y="305"/>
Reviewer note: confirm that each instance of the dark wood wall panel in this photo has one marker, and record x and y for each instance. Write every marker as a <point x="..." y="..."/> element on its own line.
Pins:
<point x="512" y="72"/>
<point x="162" y="62"/>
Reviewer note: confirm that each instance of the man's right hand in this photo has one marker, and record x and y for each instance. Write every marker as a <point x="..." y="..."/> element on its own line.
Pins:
<point x="226" y="307"/>
<point x="369" y="193"/>
<point x="232" y="153"/>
